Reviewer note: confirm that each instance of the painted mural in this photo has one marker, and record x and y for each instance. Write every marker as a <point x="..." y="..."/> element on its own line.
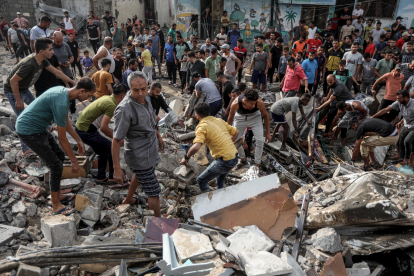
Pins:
<point x="184" y="10"/>
<point x="406" y="11"/>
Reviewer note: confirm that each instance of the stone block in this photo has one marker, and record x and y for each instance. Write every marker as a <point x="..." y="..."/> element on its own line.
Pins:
<point x="19" y="221"/>
<point x="8" y="233"/>
<point x="10" y="157"/>
<point x="263" y="263"/>
<point x="192" y="245"/>
<point x="69" y="183"/>
<point x="91" y="213"/>
<point x="177" y="106"/>
<point x="297" y="270"/>
<point x="109" y="217"/>
<point x="19" y="207"/>
<point x="31" y="209"/>
<point x="28" y="270"/>
<point x="59" y="230"/>
<point x="327" y="240"/>
<point x="81" y="202"/>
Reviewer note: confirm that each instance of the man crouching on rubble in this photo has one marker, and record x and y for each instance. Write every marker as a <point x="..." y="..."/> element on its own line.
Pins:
<point x="219" y="137"/>
<point x="369" y="134"/>
<point x="136" y="124"/>
<point x="31" y="128"/>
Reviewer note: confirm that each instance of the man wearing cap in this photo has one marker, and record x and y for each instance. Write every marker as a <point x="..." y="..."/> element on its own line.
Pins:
<point x="69" y="24"/>
<point x="396" y="27"/>
<point x="20" y="20"/>
<point x="356" y="13"/>
<point x="207" y="87"/>
<point x="405" y="37"/>
<point x="393" y="83"/>
<point x="230" y="71"/>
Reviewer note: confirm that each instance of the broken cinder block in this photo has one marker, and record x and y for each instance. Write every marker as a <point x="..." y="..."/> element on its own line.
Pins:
<point x="192" y="245"/>
<point x="59" y="230"/>
<point x="28" y="270"/>
<point x="263" y="263"/>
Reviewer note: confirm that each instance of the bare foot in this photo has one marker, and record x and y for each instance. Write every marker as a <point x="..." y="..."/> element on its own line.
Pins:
<point x="133" y="201"/>
<point x="404" y="162"/>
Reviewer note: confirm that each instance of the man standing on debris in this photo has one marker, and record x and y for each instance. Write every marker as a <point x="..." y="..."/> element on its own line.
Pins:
<point x="96" y="116"/>
<point x="377" y="133"/>
<point x="69" y="24"/>
<point x="40" y="30"/>
<point x="157" y="100"/>
<point x="250" y="109"/>
<point x="351" y="108"/>
<point x="103" y="53"/>
<point x="230" y="70"/>
<point x="194" y="65"/>
<point x="293" y="77"/>
<point x="16" y="87"/>
<point x="282" y="107"/>
<point x="31" y="128"/>
<point x="207" y="87"/>
<point x="219" y="138"/>
<point x="337" y="92"/>
<point x="135" y="121"/>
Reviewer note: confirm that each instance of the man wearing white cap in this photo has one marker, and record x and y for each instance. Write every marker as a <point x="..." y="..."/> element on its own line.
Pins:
<point x="230" y="71"/>
<point x="20" y="20"/>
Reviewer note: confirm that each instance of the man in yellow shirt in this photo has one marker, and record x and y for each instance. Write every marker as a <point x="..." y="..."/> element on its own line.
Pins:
<point x="219" y="137"/>
<point x="146" y="59"/>
<point x="103" y="80"/>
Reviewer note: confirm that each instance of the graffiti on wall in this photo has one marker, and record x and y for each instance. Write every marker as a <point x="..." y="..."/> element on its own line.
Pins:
<point x="184" y="10"/>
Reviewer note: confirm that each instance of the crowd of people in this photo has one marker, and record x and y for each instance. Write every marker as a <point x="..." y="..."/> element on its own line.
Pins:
<point x="346" y="55"/>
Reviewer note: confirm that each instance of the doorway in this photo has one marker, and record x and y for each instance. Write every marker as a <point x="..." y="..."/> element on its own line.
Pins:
<point x="150" y="13"/>
<point x="318" y="14"/>
<point x="206" y="19"/>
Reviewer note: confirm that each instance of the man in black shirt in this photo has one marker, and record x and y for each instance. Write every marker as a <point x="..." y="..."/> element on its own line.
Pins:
<point x="94" y="33"/>
<point x="157" y="101"/>
<point x="346" y="44"/>
<point x="47" y="79"/>
<point x="274" y="56"/>
<point x="74" y="47"/>
<point x="226" y="89"/>
<point x="162" y="40"/>
<point x="377" y="132"/>
<point x="109" y="20"/>
<point x="328" y="32"/>
<point x="343" y="17"/>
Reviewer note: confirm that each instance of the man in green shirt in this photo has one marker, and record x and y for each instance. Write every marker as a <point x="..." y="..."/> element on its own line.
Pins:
<point x="118" y="40"/>
<point x="172" y="32"/>
<point x="96" y="116"/>
<point x="212" y="65"/>
<point x="262" y="40"/>
<point x="384" y="66"/>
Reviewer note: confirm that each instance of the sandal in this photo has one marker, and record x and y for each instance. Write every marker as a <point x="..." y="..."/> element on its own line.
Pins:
<point x="29" y="154"/>
<point x="240" y="165"/>
<point x="64" y="211"/>
<point x="367" y="168"/>
<point x="375" y="165"/>
<point x="170" y="82"/>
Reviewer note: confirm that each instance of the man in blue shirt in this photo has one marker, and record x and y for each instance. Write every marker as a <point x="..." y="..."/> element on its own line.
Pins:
<point x="310" y="66"/>
<point x="233" y="36"/>
<point x="171" y="60"/>
<point x="31" y="127"/>
<point x="132" y="67"/>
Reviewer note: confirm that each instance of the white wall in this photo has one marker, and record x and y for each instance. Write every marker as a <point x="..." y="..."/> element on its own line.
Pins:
<point x="79" y="6"/>
<point x="162" y="9"/>
<point x="128" y="8"/>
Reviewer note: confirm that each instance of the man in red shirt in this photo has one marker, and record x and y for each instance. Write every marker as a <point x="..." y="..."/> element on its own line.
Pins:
<point x="370" y="47"/>
<point x="313" y="44"/>
<point x="240" y="52"/>
<point x="334" y="23"/>
<point x="4" y="26"/>
<point x="402" y="40"/>
<point x="293" y="77"/>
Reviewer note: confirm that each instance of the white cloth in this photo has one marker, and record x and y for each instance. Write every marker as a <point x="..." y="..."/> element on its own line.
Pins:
<point x="110" y="57"/>
<point x="68" y="24"/>
<point x="356" y="12"/>
<point x="311" y="32"/>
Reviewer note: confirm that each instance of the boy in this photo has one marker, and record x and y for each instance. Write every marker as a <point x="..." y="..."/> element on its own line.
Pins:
<point x="342" y="74"/>
<point x="207" y="52"/>
<point x="183" y="69"/>
<point x="74" y="47"/>
<point x="370" y="47"/>
<point x="367" y="78"/>
<point x="130" y="53"/>
<point x="334" y="23"/>
<point x="87" y="62"/>
<point x="281" y="69"/>
<point x="223" y="63"/>
<point x="259" y="64"/>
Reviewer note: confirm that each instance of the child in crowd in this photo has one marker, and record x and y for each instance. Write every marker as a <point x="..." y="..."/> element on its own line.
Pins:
<point x="281" y="69"/>
<point x="342" y="74"/>
<point x="183" y="69"/>
<point x="87" y="62"/>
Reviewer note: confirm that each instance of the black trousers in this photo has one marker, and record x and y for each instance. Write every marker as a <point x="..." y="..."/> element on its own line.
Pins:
<point x="389" y="117"/>
<point x="95" y="45"/>
<point x="183" y="76"/>
<point x="270" y="73"/>
<point x="325" y="84"/>
<point x="77" y="64"/>
<point x="240" y="72"/>
<point x="302" y="88"/>
<point x="22" y="51"/>
<point x="281" y="76"/>
<point x="72" y="107"/>
<point x="329" y="119"/>
<point x="172" y="72"/>
<point x="356" y="88"/>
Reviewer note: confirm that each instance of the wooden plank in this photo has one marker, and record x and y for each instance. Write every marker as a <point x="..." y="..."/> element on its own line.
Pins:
<point x="301" y="225"/>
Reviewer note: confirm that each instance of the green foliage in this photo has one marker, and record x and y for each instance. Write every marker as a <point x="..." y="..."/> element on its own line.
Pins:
<point x="237" y="16"/>
<point x="254" y="24"/>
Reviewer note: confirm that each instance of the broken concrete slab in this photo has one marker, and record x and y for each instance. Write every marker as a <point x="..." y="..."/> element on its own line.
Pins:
<point x="327" y="240"/>
<point x="69" y="183"/>
<point x="19" y="207"/>
<point x="344" y="169"/>
<point x="109" y="217"/>
<point x="359" y="269"/>
<point x="334" y="267"/>
<point x="321" y="256"/>
<point x="184" y="173"/>
<point x="192" y="245"/>
<point x="81" y="202"/>
<point x="91" y="213"/>
<point x="263" y="263"/>
<point x="297" y="270"/>
<point x="177" y="106"/>
<point x="28" y="270"/>
<point x="8" y="233"/>
<point x="59" y="230"/>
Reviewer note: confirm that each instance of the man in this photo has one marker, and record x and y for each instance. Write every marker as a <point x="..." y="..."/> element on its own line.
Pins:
<point x="343" y="17"/>
<point x="368" y="29"/>
<point x="293" y="77"/>
<point x="146" y="61"/>
<point x="19" y="20"/>
<point x="312" y="44"/>
<point x="325" y="35"/>
<point x="379" y="47"/>
<point x="136" y="123"/>
<point x="399" y="34"/>
<point x="299" y="46"/>
<point x="298" y="31"/>
<point x="408" y="55"/>
<point x="359" y="25"/>
<point x="312" y="30"/>
<point x="321" y="60"/>
<point x="395" y="51"/>
<point x="209" y="89"/>
<point x="212" y="65"/>
<point x="241" y="53"/>
<point x="400" y="42"/>
<point x="16" y="87"/>
<point x="207" y="45"/>
<point x="367" y="77"/>
<point x="230" y="70"/>
<point x="250" y="109"/>
<point x="377" y="133"/>
<point x="31" y="128"/>
<point x="157" y="100"/>
<point x="353" y="63"/>
<point x="103" y="53"/>
<point x="351" y="109"/>
<point x="376" y="33"/>
<point x="222" y="36"/>
<point x="328" y="43"/>
<point x="261" y="40"/>
<point x="338" y="92"/>
<point x="103" y="80"/>
<point x="272" y="31"/>
<point x="117" y="37"/>
<point x="138" y="39"/>
<point x="383" y="67"/>
<point x="94" y="33"/>
<point x="156" y="50"/>
<point x="13" y="39"/>
<point x="47" y="79"/>
<point x="284" y="106"/>
<point x="162" y="39"/>
<point x="259" y="65"/>
<point x="357" y="13"/>
<point x="226" y="89"/>
<point x="393" y="83"/>
<point x="272" y="41"/>
<point x="170" y="59"/>
<point x="346" y="44"/>
<point x="171" y="32"/>
<point x="396" y="26"/>
<point x="69" y="24"/>
<point x="108" y="20"/>
<point x="219" y="138"/>
<point x="233" y="36"/>
<point x="274" y="57"/>
<point x="310" y="67"/>
<point x="132" y="67"/>
<point x="4" y="26"/>
<point x="407" y="69"/>
<point x="333" y="56"/>
<point x="405" y="105"/>
<point x="194" y="65"/>
<point x="146" y="35"/>
<point x="40" y="30"/>
<point x="96" y="116"/>
<point x="74" y="47"/>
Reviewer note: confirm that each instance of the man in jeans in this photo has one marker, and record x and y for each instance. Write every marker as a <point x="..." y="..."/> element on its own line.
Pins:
<point x="207" y="87"/>
<point x="156" y="50"/>
<point x="219" y="138"/>
<point x="171" y="60"/>
<point x="26" y="72"/>
<point x="31" y="127"/>
<point x="230" y="70"/>
<point x="96" y="116"/>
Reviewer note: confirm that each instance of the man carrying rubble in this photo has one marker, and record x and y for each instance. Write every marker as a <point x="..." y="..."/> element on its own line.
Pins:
<point x="136" y="122"/>
<point x="219" y="137"/>
<point x="282" y="107"/>
<point x="250" y="109"/>
<point x="31" y="128"/>
<point x="370" y="133"/>
<point x="96" y="116"/>
<point x="24" y="74"/>
<point x="209" y="89"/>
<point x="351" y="108"/>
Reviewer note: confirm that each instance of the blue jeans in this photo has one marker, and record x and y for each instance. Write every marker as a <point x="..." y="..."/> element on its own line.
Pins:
<point x="156" y="58"/>
<point x="27" y="98"/>
<point x="102" y="147"/>
<point x="219" y="170"/>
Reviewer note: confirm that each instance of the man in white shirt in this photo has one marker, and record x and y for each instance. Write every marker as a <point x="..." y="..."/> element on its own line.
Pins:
<point x="357" y="12"/>
<point x="312" y="30"/>
<point x="222" y="36"/>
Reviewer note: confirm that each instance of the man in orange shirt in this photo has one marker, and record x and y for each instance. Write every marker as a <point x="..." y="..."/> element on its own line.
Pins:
<point x="298" y="46"/>
<point x="103" y="80"/>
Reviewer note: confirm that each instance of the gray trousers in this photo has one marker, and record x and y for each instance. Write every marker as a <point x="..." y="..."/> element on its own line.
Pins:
<point x="254" y="121"/>
<point x="232" y="79"/>
<point x="366" y="86"/>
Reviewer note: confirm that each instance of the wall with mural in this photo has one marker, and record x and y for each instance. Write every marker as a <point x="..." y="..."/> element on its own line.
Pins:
<point x="183" y="10"/>
<point x="406" y="11"/>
